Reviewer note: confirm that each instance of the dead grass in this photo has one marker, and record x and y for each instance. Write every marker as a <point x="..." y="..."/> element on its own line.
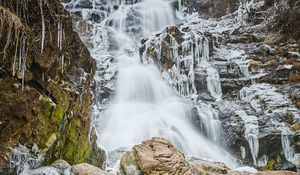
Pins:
<point x="12" y="30"/>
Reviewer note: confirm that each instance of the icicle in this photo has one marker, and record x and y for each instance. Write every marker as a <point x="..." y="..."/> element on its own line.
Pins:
<point x="59" y="35"/>
<point x="22" y="55"/>
<point x="243" y="152"/>
<point x="15" y="56"/>
<point x="62" y="59"/>
<point x="288" y="151"/>
<point x="22" y="59"/>
<point x="263" y="161"/>
<point x="43" y="25"/>
<point x="213" y="83"/>
<point x="251" y="133"/>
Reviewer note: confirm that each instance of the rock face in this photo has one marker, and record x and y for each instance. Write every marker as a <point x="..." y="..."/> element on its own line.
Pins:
<point x="241" y="53"/>
<point x="45" y="77"/>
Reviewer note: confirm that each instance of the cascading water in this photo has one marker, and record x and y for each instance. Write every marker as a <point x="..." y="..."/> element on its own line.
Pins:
<point x="144" y="106"/>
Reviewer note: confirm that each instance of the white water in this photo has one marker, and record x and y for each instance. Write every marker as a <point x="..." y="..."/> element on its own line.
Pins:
<point x="145" y="107"/>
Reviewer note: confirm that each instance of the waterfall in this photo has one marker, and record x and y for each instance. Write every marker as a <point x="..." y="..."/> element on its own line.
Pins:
<point x="144" y="105"/>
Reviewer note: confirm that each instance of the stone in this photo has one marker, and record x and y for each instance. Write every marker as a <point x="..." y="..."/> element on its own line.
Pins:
<point x="254" y="66"/>
<point x="212" y="8"/>
<point x="61" y="164"/>
<point x="296" y="127"/>
<point x="199" y="166"/>
<point x="153" y="157"/>
<point x="275" y="173"/>
<point x="285" y="165"/>
<point x="44" y="171"/>
<point x="86" y="169"/>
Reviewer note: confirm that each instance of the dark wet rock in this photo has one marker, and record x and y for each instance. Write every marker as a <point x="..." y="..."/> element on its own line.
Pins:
<point x="229" y="70"/>
<point x="200" y="79"/>
<point x="212" y="8"/>
<point x="270" y="138"/>
<point x="246" y="38"/>
<point x="285" y="165"/>
<point x="231" y="87"/>
<point x="84" y="4"/>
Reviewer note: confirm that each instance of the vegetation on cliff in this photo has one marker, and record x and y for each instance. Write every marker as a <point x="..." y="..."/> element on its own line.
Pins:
<point x="45" y="77"/>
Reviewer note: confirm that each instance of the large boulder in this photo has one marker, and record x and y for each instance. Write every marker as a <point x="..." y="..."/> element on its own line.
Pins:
<point x="154" y="156"/>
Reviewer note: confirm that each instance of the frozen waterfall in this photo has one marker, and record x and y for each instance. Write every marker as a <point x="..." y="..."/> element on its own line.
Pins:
<point x="144" y="105"/>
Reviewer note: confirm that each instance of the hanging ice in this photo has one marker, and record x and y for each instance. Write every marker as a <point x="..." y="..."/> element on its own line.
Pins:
<point x="43" y="25"/>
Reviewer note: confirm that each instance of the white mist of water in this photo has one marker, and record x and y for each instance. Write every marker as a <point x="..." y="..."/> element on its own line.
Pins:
<point x="145" y="17"/>
<point x="145" y="107"/>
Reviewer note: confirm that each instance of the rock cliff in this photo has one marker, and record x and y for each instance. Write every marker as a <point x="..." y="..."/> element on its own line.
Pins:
<point x="45" y="77"/>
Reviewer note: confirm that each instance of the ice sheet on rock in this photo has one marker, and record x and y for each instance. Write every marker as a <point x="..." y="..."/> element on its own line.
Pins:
<point x="288" y="151"/>
<point x="263" y="161"/>
<point x="22" y="159"/>
<point x="251" y="133"/>
<point x="44" y="170"/>
<point x="265" y="99"/>
<point x="187" y="56"/>
<point x="246" y="169"/>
